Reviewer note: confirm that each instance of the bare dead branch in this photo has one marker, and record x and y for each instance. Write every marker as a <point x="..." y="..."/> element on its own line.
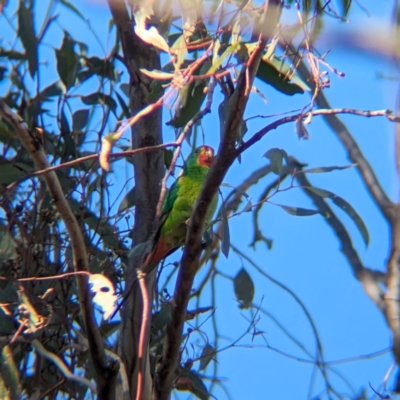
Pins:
<point x="105" y="372"/>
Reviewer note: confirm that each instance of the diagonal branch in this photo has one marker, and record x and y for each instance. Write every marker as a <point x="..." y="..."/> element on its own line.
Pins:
<point x="227" y="153"/>
<point x="105" y="372"/>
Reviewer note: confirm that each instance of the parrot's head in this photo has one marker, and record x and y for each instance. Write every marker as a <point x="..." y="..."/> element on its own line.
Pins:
<point x="203" y="155"/>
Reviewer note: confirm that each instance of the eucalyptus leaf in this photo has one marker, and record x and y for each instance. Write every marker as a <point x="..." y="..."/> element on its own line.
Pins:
<point x="298" y="211"/>
<point x="225" y="234"/>
<point x="26" y="32"/>
<point x="244" y="288"/>
<point x="346" y="207"/>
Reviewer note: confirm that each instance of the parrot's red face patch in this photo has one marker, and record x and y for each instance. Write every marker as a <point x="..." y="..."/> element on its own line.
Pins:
<point x="206" y="156"/>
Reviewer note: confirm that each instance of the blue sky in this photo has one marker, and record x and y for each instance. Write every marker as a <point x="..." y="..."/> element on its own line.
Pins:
<point x="306" y="255"/>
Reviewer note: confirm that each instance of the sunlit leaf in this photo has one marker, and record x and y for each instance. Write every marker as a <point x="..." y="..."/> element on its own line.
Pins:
<point x="244" y="288"/>
<point x="149" y="35"/>
<point x="67" y="61"/>
<point x="104" y="294"/>
<point x="346" y="207"/>
<point x="26" y="32"/>
<point x="9" y="372"/>
<point x="156" y="74"/>
<point x="191" y="98"/>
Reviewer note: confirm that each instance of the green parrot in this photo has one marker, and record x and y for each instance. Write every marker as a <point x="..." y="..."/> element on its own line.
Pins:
<point x="178" y="204"/>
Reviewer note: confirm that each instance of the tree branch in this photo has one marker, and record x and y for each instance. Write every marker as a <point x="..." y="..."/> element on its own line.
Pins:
<point x="105" y="372"/>
<point x="325" y="112"/>
<point x="227" y="153"/>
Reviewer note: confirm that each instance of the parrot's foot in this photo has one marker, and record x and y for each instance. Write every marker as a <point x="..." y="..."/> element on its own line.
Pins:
<point x="187" y="222"/>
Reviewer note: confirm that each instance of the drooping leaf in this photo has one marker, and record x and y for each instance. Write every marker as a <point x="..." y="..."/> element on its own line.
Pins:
<point x="26" y="32"/>
<point x="7" y="248"/>
<point x="54" y="89"/>
<point x="3" y="71"/>
<point x="195" y="384"/>
<point x="123" y="105"/>
<point x="101" y="67"/>
<point x="137" y="250"/>
<point x="128" y="201"/>
<point x="271" y="73"/>
<point x="223" y="110"/>
<point x="225" y="234"/>
<point x="125" y="88"/>
<point x="101" y="99"/>
<point x="80" y="119"/>
<point x="346" y="207"/>
<point x="298" y="211"/>
<point x="168" y="156"/>
<point x="72" y="8"/>
<point x="13" y="171"/>
<point x="67" y="61"/>
<point x="301" y="130"/>
<point x="276" y="157"/>
<point x="206" y="356"/>
<point x="244" y="288"/>
<point x="66" y="135"/>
